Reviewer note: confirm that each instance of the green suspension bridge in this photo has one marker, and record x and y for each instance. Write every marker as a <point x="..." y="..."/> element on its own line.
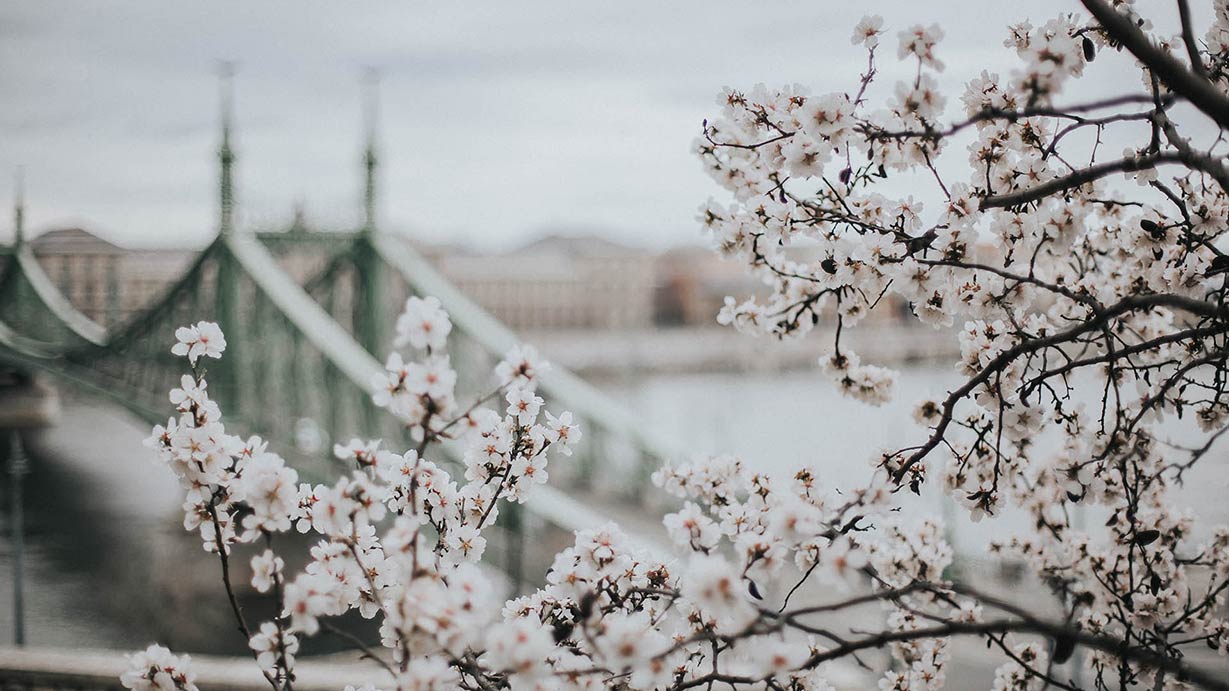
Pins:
<point x="304" y="346"/>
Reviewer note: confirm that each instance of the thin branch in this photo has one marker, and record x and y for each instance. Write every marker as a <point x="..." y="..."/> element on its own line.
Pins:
<point x="1188" y="37"/>
<point x="1199" y="91"/>
<point x="230" y="591"/>
<point x="359" y="644"/>
<point x="1080" y="177"/>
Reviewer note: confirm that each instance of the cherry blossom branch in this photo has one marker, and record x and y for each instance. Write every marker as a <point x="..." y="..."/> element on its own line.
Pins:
<point x="1203" y="678"/>
<point x="235" y="608"/>
<point x="1081" y="177"/>
<point x="367" y="652"/>
<point x="1188" y="39"/>
<point x="1127" y="304"/>
<point x="1015" y="114"/>
<point x="1200" y="92"/>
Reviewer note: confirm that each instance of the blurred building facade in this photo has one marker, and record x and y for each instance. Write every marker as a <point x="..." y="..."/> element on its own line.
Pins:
<point x="692" y="283"/>
<point x="556" y="283"/>
<point x="106" y="282"/>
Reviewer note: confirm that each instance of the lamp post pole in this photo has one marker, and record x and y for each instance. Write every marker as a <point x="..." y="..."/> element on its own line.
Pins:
<point x="18" y="469"/>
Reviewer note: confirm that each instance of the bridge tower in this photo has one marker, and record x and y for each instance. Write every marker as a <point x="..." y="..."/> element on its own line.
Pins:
<point x="226" y="155"/>
<point x="372" y="314"/>
<point x="19" y="207"/>
<point x="371" y="107"/>
<point x="229" y="301"/>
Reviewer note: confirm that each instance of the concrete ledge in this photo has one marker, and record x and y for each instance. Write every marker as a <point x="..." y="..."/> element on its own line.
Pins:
<point x="98" y="670"/>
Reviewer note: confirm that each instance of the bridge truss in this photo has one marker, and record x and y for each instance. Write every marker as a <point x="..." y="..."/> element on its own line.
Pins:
<point x="306" y="317"/>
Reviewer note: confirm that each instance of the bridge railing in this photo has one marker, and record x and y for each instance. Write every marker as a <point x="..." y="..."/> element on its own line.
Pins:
<point x="30" y="298"/>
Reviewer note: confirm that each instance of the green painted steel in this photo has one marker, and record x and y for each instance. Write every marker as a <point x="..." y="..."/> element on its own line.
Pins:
<point x="226" y="154"/>
<point x="371" y="314"/>
<point x="134" y="367"/>
<point x="370" y="160"/>
<point x="19" y="208"/>
<point x="29" y="297"/>
<point x="234" y="281"/>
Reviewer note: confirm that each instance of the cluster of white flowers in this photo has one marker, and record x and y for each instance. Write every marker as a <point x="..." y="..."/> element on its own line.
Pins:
<point x="1054" y="272"/>
<point x="416" y="572"/>
<point x="1050" y="54"/>
<point x="399" y="538"/>
<point x="423" y="324"/>
<point x="205" y="338"/>
<point x="156" y="669"/>
<point x="868" y="383"/>
<point x="1086" y="292"/>
<point x="1017" y="674"/>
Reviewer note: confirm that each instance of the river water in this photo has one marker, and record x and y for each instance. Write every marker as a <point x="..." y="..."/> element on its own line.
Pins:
<point x="779" y="422"/>
<point x="108" y="566"/>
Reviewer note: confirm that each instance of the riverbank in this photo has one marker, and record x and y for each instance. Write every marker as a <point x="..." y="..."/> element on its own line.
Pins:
<point x="609" y="353"/>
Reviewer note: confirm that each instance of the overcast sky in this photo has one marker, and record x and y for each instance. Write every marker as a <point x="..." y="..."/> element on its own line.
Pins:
<point x="501" y="120"/>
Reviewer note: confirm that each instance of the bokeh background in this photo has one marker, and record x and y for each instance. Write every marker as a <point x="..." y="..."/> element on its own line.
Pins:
<point x="500" y="120"/>
<point x="539" y="153"/>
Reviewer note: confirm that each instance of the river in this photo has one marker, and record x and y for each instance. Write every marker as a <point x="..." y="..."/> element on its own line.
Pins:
<point x="109" y="567"/>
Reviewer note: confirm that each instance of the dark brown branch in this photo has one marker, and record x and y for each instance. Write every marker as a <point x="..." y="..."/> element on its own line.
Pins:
<point x="1113" y="646"/>
<point x="1203" y="332"/>
<point x="230" y="591"/>
<point x="1199" y="91"/>
<point x="1100" y="319"/>
<point x="358" y="643"/>
<point x="1079" y="177"/>
<point x="1188" y="37"/>
<point x="1014" y="114"/>
<point x="1208" y="164"/>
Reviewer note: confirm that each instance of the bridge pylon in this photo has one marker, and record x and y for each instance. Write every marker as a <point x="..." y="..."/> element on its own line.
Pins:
<point x="371" y="317"/>
<point x="226" y="154"/>
<point x="19" y="207"/>
<point x="371" y="116"/>
<point x="229" y="278"/>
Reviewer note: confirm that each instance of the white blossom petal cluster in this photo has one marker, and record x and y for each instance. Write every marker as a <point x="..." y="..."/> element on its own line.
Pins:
<point x="1085" y="292"/>
<point x="204" y="338"/>
<point x="1078" y="257"/>
<point x="399" y="536"/>
<point x="157" y="669"/>
<point x="423" y="325"/>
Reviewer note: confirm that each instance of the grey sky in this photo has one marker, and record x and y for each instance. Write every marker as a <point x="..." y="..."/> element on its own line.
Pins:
<point x="501" y="120"/>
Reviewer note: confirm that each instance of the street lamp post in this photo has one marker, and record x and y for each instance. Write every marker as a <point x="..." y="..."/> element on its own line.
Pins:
<point x="18" y="469"/>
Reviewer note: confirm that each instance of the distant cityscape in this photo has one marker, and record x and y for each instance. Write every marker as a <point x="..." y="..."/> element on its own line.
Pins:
<point x="557" y="282"/>
<point x="592" y="304"/>
<point x="554" y="283"/>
